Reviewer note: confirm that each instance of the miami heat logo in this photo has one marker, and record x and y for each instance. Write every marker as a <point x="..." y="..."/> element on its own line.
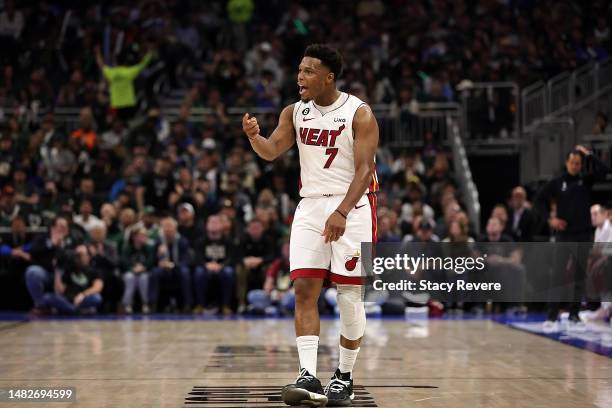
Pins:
<point x="351" y="261"/>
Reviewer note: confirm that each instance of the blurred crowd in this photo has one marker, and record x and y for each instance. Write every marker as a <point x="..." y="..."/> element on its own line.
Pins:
<point x="126" y="209"/>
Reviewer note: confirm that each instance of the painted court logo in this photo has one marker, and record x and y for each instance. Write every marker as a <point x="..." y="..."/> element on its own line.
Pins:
<point x="351" y="261"/>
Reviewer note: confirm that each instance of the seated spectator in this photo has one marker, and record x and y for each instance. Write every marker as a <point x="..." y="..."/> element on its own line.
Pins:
<point x="214" y="267"/>
<point x="9" y="208"/>
<point x="85" y="217"/>
<point x="277" y="292"/>
<point x="156" y="187"/>
<point x="187" y="225"/>
<point x="385" y="232"/>
<point x="85" y="134"/>
<point x="172" y="265"/>
<point x="49" y="205"/>
<point x="115" y="137"/>
<point x="136" y="264"/>
<point x="494" y="231"/>
<point x="25" y="192"/>
<point x="256" y="250"/>
<point x="522" y="222"/>
<point x="78" y="288"/>
<point x="105" y="260"/>
<point x="458" y="231"/>
<point x="48" y="254"/>
<point x="501" y="213"/>
<point x="504" y="264"/>
<point x="423" y="231"/>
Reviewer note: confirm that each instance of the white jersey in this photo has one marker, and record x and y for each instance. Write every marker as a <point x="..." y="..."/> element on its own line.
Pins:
<point x="324" y="136"/>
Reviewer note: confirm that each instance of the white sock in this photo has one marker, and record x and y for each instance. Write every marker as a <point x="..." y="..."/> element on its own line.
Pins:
<point x="347" y="359"/>
<point x="307" y="350"/>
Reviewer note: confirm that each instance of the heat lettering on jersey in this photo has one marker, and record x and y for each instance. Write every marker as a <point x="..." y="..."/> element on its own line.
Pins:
<point x="320" y="137"/>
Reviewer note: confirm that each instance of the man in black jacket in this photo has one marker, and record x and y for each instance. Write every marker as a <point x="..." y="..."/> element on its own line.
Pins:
<point x="214" y="265"/>
<point x="570" y="192"/>
<point x="521" y="220"/>
<point x="79" y="287"/>
<point x="172" y="264"/>
<point x="48" y="253"/>
<point x="256" y="251"/>
<point x="105" y="259"/>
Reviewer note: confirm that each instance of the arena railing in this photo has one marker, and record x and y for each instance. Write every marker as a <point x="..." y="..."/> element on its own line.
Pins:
<point x="490" y="112"/>
<point x="564" y="94"/>
<point x="463" y="174"/>
<point x="533" y="105"/>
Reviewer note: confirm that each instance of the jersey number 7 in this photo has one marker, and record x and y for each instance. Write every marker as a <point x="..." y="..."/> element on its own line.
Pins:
<point x="332" y="152"/>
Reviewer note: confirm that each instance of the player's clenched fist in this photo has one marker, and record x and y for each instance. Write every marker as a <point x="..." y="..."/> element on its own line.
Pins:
<point x="250" y="126"/>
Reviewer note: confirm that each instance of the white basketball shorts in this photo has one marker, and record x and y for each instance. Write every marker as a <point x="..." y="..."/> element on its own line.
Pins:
<point x="338" y="261"/>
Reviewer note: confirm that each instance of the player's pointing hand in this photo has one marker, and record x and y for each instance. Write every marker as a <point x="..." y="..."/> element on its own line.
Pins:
<point x="250" y="126"/>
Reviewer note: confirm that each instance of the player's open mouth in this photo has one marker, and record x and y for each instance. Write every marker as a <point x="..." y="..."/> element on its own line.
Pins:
<point x="303" y="90"/>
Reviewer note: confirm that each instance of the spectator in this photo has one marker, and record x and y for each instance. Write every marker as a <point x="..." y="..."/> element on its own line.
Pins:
<point x="501" y="213"/>
<point x="494" y="231"/>
<point x="85" y="135"/>
<point x="601" y="124"/>
<point x="522" y="220"/>
<point x="172" y="265"/>
<point x="600" y="219"/>
<point x="599" y="263"/>
<point x="277" y="293"/>
<point x="215" y="267"/>
<point x="385" y="231"/>
<point x="156" y="187"/>
<point x="48" y="253"/>
<point x="187" y="225"/>
<point x="121" y="84"/>
<point x="9" y="208"/>
<point x="17" y="246"/>
<point x="105" y="260"/>
<point x="136" y="264"/>
<point x="256" y="251"/>
<point x="458" y="232"/>
<point x="504" y="262"/>
<point x="78" y="289"/>
<point x="85" y="218"/>
<point x="25" y="192"/>
<point x="423" y="231"/>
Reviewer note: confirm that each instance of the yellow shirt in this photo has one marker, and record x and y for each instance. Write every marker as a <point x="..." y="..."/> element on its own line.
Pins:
<point x="121" y="82"/>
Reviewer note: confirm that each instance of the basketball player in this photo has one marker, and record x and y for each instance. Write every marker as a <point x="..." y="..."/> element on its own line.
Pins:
<point x="337" y="137"/>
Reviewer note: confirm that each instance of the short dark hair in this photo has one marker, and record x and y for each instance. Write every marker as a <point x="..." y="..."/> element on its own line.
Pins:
<point x="330" y="57"/>
<point x="573" y="153"/>
<point x="57" y="218"/>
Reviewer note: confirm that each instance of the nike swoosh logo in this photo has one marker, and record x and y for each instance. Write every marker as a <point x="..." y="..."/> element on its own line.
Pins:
<point x="306" y="120"/>
<point x="359" y="206"/>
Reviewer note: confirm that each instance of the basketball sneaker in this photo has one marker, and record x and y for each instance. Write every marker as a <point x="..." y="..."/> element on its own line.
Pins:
<point x="307" y="390"/>
<point x="339" y="391"/>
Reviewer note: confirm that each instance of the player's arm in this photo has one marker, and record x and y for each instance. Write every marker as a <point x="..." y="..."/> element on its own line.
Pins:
<point x="365" y="129"/>
<point x="281" y="139"/>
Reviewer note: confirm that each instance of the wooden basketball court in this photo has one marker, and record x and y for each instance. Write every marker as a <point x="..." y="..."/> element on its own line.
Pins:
<point x="244" y="363"/>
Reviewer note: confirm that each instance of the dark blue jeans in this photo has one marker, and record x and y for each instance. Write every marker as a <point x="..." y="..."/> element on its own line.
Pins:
<point x="182" y="274"/>
<point x="224" y="280"/>
<point x="36" y="279"/>
<point x="63" y="305"/>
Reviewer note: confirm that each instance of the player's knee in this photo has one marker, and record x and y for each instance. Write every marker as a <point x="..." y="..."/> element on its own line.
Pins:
<point x="306" y="291"/>
<point x="352" y="311"/>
